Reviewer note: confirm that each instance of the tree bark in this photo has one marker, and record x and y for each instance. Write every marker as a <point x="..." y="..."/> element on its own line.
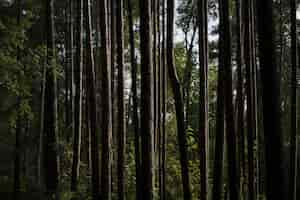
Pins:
<point x="225" y="62"/>
<point x="293" y="137"/>
<point x="135" y="117"/>
<point x="51" y="161"/>
<point x="147" y="109"/>
<point x="121" y="103"/>
<point x="240" y="97"/>
<point x="78" y="97"/>
<point x="249" y="91"/>
<point x="203" y="95"/>
<point x="164" y="102"/>
<point x="179" y="106"/>
<point x="270" y="97"/>
<point x="105" y="113"/>
<point x="91" y="97"/>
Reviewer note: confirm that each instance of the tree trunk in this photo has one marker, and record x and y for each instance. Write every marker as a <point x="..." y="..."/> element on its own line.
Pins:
<point x="70" y="72"/>
<point x="51" y="161"/>
<point x="217" y="187"/>
<point x="147" y="129"/>
<point x="17" y="161"/>
<point x="91" y="97"/>
<point x="78" y="97"/>
<point x="249" y="92"/>
<point x="105" y="114"/>
<point x="294" y="106"/>
<point x="225" y="62"/>
<point x="203" y="95"/>
<point x="240" y="97"/>
<point x="164" y="101"/>
<point x="135" y="117"/>
<point x="270" y="97"/>
<point x="121" y="103"/>
<point x="179" y="107"/>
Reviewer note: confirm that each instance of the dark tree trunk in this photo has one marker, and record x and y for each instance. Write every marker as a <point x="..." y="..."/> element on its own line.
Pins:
<point x="293" y="137"/>
<point x="113" y="70"/>
<point x="147" y="128"/>
<point x="240" y="97"/>
<point x="70" y="73"/>
<point x="271" y="103"/>
<point x="121" y="135"/>
<point x="203" y="95"/>
<point x="135" y="117"/>
<point x="225" y="63"/>
<point x="217" y="187"/>
<point x="155" y="74"/>
<point x="249" y="91"/>
<point x="179" y="106"/>
<point x="105" y="114"/>
<point x="92" y="107"/>
<point x="17" y="161"/>
<point x="51" y="161"/>
<point x="164" y="101"/>
<point x="78" y="97"/>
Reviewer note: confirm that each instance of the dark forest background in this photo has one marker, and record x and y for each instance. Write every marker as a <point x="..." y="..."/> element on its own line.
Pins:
<point x="149" y="99"/>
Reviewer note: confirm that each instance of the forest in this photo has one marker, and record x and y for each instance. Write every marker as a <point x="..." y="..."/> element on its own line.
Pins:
<point x="149" y="99"/>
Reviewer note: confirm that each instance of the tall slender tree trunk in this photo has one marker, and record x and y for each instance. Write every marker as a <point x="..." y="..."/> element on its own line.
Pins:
<point x="113" y="80"/>
<point x="270" y="97"/>
<point x="225" y="51"/>
<point x="179" y="106"/>
<point x="249" y="91"/>
<point x="70" y="71"/>
<point x="155" y="74"/>
<point x="91" y="98"/>
<point x="78" y="97"/>
<point x="164" y="102"/>
<point x="147" y="109"/>
<point x="135" y="117"/>
<point x="240" y="97"/>
<point x="217" y="187"/>
<point x="105" y="114"/>
<point x="121" y="103"/>
<point x="41" y="128"/>
<point x="203" y="95"/>
<point x="17" y="161"/>
<point x="51" y="161"/>
<point x="293" y="137"/>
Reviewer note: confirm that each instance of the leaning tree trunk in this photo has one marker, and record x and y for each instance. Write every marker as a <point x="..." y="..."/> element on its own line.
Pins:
<point x="271" y="103"/>
<point x="51" y="162"/>
<point x="293" y="136"/>
<point x="225" y="51"/>
<point x="121" y="103"/>
<point x="146" y="100"/>
<point x="203" y="95"/>
<point x="78" y="97"/>
<point x="135" y="118"/>
<point x="105" y="114"/>
<point x="179" y="107"/>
